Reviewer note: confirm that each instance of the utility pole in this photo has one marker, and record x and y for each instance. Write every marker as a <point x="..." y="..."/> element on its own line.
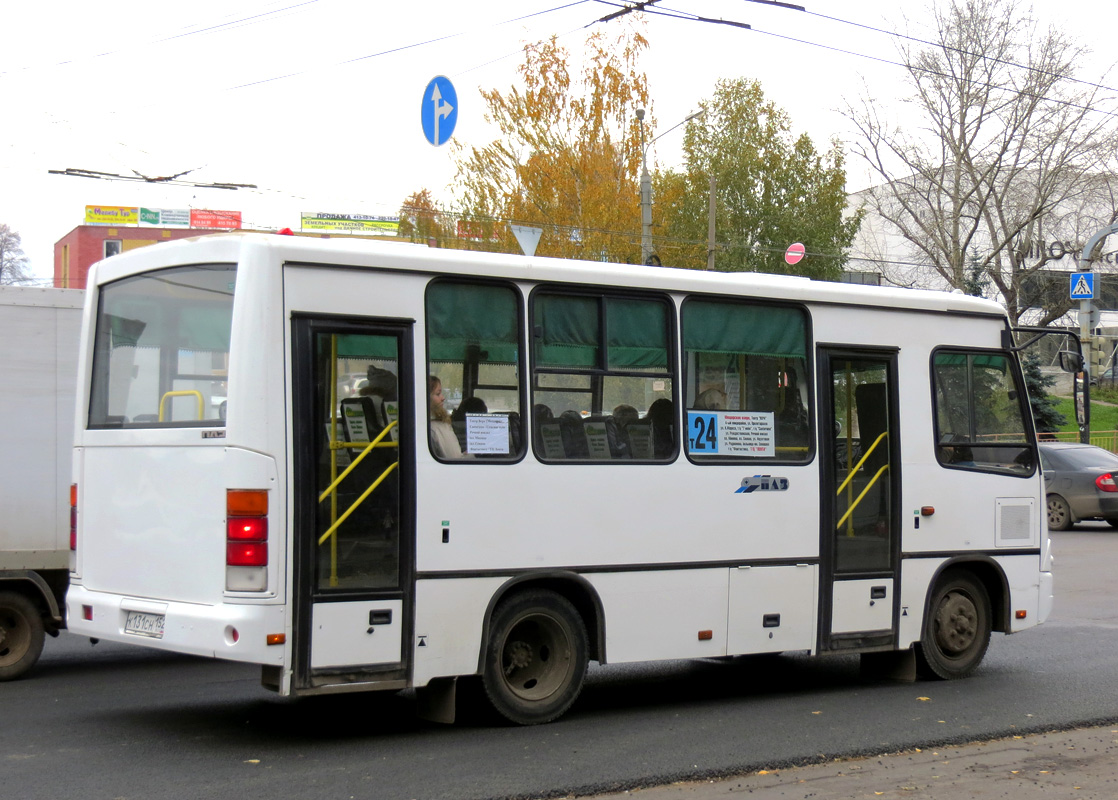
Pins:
<point x="710" y="225"/>
<point x="646" y="197"/>
<point x="646" y="185"/>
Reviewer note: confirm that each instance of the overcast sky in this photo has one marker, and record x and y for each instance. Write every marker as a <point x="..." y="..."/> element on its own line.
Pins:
<point x="317" y="102"/>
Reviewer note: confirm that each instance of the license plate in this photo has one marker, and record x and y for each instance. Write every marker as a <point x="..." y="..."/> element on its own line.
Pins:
<point x="143" y="624"/>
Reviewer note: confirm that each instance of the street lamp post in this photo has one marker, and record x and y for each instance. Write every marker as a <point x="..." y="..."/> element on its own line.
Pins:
<point x="646" y="184"/>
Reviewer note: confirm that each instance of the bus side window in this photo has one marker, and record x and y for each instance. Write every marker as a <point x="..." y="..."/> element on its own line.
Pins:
<point x="473" y="348"/>
<point x="746" y="368"/>
<point x="980" y="413"/>
<point x="600" y="363"/>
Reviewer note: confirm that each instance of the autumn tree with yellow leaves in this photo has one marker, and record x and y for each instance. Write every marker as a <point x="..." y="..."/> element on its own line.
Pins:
<point x="568" y="155"/>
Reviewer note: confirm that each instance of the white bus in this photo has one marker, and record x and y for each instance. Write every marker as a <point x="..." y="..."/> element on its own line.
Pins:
<point x="640" y="464"/>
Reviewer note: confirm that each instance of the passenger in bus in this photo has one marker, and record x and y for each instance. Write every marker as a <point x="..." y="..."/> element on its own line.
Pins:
<point x="380" y="383"/>
<point x="711" y="400"/>
<point x="661" y="414"/>
<point x="617" y="430"/>
<point x="444" y="444"/>
<point x="471" y="405"/>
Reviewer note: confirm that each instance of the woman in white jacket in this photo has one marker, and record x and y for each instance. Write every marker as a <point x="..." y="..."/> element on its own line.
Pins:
<point x="444" y="444"/>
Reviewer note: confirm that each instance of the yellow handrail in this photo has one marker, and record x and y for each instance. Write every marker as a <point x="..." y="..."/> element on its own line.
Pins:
<point x="331" y="530"/>
<point x="181" y="393"/>
<point x="375" y="442"/>
<point x="861" y="461"/>
<point x="858" y="499"/>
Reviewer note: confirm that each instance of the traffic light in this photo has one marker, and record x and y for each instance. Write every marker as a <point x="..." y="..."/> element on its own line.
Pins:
<point x="1100" y="357"/>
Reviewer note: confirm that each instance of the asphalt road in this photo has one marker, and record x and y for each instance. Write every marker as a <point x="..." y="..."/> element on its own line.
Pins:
<point x="113" y="721"/>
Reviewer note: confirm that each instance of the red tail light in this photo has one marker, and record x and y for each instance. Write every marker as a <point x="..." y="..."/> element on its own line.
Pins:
<point x="246" y="528"/>
<point x="73" y="516"/>
<point x="1106" y="483"/>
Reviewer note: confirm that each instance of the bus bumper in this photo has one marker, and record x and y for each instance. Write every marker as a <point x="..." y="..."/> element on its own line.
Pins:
<point x="1045" y="598"/>
<point x="236" y="632"/>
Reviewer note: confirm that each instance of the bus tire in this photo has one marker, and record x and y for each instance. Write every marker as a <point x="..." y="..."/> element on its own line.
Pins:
<point x="535" y="657"/>
<point x="956" y="628"/>
<point x="21" y="635"/>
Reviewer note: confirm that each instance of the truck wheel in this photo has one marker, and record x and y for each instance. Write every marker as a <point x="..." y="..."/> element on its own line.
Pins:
<point x="21" y="635"/>
<point x="535" y="658"/>
<point x="957" y="628"/>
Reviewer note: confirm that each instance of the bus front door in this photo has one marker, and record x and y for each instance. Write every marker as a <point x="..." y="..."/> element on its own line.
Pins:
<point x="353" y="510"/>
<point x="860" y="543"/>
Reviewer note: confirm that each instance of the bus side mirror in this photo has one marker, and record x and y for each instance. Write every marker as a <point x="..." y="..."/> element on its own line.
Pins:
<point x="1070" y="361"/>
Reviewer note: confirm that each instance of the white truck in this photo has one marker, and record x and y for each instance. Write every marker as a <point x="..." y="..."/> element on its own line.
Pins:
<point x="39" y="330"/>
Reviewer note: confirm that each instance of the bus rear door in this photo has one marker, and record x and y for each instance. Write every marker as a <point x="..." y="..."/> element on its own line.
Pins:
<point x="354" y="522"/>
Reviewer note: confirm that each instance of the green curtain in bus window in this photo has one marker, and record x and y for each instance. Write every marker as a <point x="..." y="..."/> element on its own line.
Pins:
<point x="146" y="324"/>
<point x="460" y="315"/>
<point x="355" y="345"/>
<point x="638" y="333"/>
<point x="567" y="331"/>
<point x="995" y="362"/>
<point x="206" y="327"/>
<point x="744" y="328"/>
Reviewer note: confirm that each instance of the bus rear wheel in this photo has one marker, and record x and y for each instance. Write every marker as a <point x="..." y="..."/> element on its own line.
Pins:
<point x="535" y="657"/>
<point x="957" y="628"/>
<point x="21" y="635"/>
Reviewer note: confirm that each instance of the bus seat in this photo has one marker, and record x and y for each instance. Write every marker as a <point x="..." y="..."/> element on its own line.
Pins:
<point x="598" y="442"/>
<point x="618" y="438"/>
<point x="639" y="437"/>
<point x="575" y="444"/>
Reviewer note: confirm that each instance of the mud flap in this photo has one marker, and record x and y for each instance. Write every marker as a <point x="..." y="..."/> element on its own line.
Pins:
<point x="894" y="665"/>
<point x="436" y="701"/>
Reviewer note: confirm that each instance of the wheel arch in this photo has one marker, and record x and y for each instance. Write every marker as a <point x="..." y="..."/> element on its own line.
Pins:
<point x="569" y="585"/>
<point x="36" y="589"/>
<point x="986" y="571"/>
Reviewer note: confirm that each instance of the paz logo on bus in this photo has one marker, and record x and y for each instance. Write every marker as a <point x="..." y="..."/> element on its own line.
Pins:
<point x="763" y="483"/>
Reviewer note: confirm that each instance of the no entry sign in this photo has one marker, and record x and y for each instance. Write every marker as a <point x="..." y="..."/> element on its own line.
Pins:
<point x="795" y="253"/>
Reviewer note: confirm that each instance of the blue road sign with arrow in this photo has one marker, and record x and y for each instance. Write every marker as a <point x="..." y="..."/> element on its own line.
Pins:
<point x="1082" y="286"/>
<point x="439" y="112"/>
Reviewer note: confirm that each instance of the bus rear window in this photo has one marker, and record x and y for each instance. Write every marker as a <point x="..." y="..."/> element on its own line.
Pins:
<point x="161" y="356"/>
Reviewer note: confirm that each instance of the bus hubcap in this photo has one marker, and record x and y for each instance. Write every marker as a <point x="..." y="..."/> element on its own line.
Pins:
<point x="957" y="623"/>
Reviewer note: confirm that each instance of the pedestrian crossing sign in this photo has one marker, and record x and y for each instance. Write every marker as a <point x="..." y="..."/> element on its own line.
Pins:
<point x="1082" y="286"/>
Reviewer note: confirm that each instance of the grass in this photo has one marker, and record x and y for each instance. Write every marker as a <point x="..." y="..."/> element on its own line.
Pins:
<point x="1104" y="417"/>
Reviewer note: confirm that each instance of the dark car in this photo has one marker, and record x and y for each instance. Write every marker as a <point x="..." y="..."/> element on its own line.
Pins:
<point x="1080" y="481"/>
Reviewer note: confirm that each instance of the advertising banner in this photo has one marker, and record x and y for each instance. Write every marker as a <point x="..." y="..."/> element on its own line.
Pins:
<point x="475" y="230"/>
<point x="224" y="220"/>
<point x="352" y="223"/>
<point x="112" y="215"/>
<point x="166" y="217"/>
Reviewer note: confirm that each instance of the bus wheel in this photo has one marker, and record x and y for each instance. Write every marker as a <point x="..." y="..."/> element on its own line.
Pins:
<point x="957" y="628"/>
<point x="535" y="658"/>
<point x="21" y="635"/>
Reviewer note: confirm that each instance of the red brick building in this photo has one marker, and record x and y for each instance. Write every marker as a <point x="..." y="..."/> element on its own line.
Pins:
<point x="75" y="252"/>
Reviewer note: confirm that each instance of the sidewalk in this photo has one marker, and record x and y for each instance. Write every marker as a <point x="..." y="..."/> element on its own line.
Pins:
<point x="1080" y="764"/>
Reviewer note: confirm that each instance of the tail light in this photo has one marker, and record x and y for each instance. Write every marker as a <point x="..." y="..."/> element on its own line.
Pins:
<point x="1106" y="483"/>
<point x="73" y="517"/>
<point x="246" y="540"/>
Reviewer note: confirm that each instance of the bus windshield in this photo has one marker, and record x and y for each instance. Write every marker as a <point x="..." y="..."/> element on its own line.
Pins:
<point x="161" y="353"/>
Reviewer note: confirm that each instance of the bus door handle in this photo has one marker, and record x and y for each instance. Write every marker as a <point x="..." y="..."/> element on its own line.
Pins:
<point x="877" y="593"/>
<point x="379" y="616"/>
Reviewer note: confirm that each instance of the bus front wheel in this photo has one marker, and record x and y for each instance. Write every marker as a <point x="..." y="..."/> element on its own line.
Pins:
<point x="21" y="635"/>
<point x="957" y="628"/>
<point x="535" y="657"/>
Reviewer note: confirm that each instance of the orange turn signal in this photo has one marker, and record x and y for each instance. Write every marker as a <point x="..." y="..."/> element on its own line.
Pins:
<point x="277" y="638"/>
<point x="246" y="502"/>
